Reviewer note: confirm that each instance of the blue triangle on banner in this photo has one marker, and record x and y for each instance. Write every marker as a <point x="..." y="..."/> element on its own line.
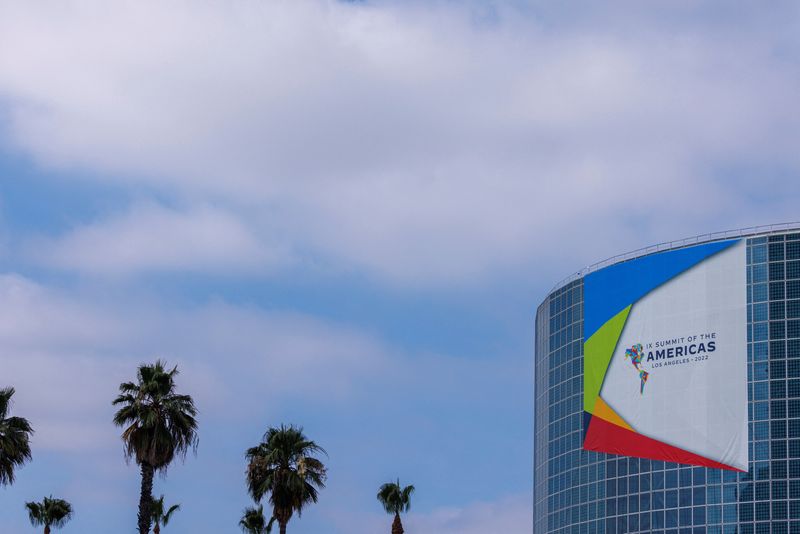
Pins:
<point x="607" y="291"/>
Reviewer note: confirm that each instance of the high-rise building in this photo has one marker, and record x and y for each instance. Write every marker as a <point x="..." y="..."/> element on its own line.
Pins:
<point x="579" y="491"/>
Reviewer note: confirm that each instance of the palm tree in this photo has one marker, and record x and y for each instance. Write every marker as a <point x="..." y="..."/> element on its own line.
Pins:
<point x="395" y="500"/>
<point x="15" y="434"/>
<point x="283" y="466"/>
<point x="253" y="521"/>
<point x="160" y="517"/>
<point x="49" y="513"/>
<point x="158" y="425"/>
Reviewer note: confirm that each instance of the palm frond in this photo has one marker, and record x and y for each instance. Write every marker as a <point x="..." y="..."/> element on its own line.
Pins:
<point x="253" y="521"/>
<point x="167" y="516"/>
<point x="5" y="401"/>
<point x="394" y="498"/>
<point x="283" y="466"/>
<point x="34" y="513"/>
<point x="51" y="512"/>
<point x="158" y="423"/>
<point x="15" y="434"/>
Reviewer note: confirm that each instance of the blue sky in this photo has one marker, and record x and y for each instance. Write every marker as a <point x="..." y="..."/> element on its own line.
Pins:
<point x="343" y="215"/>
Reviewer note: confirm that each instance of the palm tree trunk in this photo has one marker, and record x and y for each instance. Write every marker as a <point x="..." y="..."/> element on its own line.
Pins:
<point x="47" y="529"/>
<point x="145" y="499"/>
<point x="283" y="526"/>
<point x="157" y="529"/>
<point x="397" y="525"/>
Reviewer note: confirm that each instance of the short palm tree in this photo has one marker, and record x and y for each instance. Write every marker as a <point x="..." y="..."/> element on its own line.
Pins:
<point x="253" y="521"/>
<point x="160" y="516"/>
<point x="50" y="513"/>
<point x="159" y="425"/>
<point x="396" y="499"/>
<point x="284" y="467"/>
<point x="15" y="434"/>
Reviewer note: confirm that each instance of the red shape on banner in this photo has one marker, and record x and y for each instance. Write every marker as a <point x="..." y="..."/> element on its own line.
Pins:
<point x="607" y="437"/>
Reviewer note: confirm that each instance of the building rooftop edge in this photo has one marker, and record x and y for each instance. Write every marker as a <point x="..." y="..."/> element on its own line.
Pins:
<point x="750" y="231"/>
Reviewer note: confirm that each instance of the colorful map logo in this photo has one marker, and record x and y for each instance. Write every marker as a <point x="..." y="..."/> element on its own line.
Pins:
<point x="636" y="353"/>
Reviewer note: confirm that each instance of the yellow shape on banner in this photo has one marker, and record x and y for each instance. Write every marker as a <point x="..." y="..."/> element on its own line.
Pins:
<point x="605" y="412"/>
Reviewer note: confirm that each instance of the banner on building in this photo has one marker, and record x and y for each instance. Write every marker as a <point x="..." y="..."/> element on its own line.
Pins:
<point x="665" y="357"/>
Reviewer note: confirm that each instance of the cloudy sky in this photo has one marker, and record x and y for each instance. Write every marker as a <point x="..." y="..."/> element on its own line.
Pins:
<point x="343" y="215"/>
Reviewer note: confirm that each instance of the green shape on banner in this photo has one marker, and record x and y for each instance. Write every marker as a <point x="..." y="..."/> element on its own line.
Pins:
<point x="597" y="352"/>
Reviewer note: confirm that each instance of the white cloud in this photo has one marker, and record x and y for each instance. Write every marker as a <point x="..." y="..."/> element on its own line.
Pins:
<point x="153" y="238"/>
<point x="509" y="515"/>
<point x="36" y="319"/>
<point x="416" y="142"/>
<point x="66" y="353"/>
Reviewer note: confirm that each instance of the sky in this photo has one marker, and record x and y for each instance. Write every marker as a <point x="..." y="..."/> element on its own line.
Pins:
<point x="342" y="215"/>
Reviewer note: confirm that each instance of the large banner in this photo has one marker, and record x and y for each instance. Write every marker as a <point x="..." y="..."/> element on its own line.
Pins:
<point x="665" y="357"/>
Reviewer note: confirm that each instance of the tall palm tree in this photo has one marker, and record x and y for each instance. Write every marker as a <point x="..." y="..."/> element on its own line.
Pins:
<point x="253" y="521"/>
<point x="49" y="513"/>
<point x="283" y="465"/>
<point x="396" y="499"/>
<point x="15" y="434"/>
<point x="158" y="425"/>
<point x="160" y="517"/>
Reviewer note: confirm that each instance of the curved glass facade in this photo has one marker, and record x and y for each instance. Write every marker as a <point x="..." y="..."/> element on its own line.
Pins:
<point x="584" y="492"/>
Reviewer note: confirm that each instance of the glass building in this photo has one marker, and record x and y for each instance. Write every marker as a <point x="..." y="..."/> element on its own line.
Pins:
<point x="583" y="492"/>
